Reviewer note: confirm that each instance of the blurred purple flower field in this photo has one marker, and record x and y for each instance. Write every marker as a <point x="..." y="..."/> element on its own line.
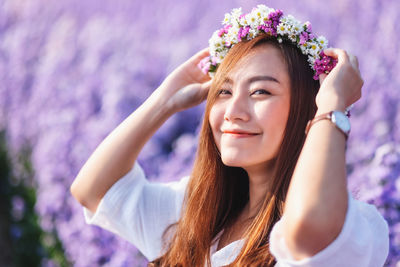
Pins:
<point x="71" y="71"/>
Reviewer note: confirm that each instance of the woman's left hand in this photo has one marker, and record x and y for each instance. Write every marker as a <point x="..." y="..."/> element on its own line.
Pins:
<point x="342" y="86"/>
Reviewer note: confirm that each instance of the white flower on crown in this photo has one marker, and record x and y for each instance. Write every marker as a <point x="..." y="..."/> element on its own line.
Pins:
<point x="235" y="16"/>
<point x="223" y="52"/>
<point x="285" y="19"/>
<point x="293" y="37"/>
<point x="297" y="28"/>
<point x="258" y="13"/>
<point x="236" y="23"/>
<point x="215" y="39"/>
<point x="261" y="12"/>
<point x="236" y="12"/>
<point x="252" y="33"/>
<point x="311" y="60"/>
<point x="221" y="55"/>
<point x="293" y="26"/>
<point x="264" y="14"/>
<point x="216" y="47"/>
<point x="292" y="20"/>
<point x="242" y="20"/>
<point x="227" y="19"/>
<point x="253" y="20"/>
<point x="282" y="29"/>
<point x="303" y="48"/>
<point x="264" y="9"/>
<point x="313" y="48"/>
<point x="232" y="34"/>
<point x="323" y="42"/>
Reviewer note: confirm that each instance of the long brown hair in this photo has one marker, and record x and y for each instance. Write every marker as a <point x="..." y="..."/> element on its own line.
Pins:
<point x="216" y="193"/>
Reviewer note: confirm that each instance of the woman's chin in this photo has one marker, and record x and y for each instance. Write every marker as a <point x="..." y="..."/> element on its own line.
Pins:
<point x="233" y="162"/>
<point x="247" y="163"/>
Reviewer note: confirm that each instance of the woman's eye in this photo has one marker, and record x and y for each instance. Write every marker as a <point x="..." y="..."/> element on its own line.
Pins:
<point x="224" y="92"/>
<point x="260" y="92"/>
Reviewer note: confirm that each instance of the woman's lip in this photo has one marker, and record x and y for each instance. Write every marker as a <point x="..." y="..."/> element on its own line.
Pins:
<point x="239" y="134"/>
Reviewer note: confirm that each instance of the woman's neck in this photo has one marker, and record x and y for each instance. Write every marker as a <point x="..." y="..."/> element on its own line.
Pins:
<point x="259" y="185"/>
<point x="260" y="178"/>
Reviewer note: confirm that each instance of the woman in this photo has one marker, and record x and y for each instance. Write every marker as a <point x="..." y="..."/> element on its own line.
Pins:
<point x="268" y="187"/>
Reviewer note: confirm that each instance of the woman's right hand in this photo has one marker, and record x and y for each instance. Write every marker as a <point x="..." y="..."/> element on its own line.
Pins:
<point x="187" y="85"/>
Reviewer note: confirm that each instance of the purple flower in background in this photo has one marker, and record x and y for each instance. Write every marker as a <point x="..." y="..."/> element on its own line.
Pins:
<point x="18" y="207"/>
<point x="381" y="188"/>
<point x="72" y="71"/>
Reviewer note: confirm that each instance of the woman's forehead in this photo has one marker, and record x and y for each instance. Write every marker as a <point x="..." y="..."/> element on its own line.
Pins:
<point x="262" y="61"/>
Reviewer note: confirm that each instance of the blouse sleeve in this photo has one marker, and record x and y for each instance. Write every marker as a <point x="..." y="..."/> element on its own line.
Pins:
<point x="363" y="241"/>
<point x="139" y="211"/>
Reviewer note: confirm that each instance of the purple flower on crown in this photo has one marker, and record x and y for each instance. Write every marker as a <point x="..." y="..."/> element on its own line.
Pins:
<point x="224" y="30"/>
<point x="243" y="31"/>
<point x="268" y="28"/>
<point x="271" y="23"/>
<point x="308" y="26"/>
<point x="275" y="16"/>
<point x="323" y="65"/>
<point x="274" y="19"/>
<point x="304" y="37"/>
<point x="204" y="65"/>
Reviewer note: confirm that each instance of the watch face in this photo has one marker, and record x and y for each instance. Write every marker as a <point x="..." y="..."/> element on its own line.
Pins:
<point x="341" y="121"/>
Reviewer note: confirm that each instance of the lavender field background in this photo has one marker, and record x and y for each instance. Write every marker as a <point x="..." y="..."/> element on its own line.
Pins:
<point x="71" y="71"/>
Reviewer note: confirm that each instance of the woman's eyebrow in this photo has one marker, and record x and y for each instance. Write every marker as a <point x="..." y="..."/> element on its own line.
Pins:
<point x="262" y="78"/>
<point x="228" y="80"/>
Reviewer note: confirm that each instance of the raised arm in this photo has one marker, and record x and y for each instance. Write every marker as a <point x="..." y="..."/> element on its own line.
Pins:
<point x="317" y="198"/>
<point x="185" y="87"/>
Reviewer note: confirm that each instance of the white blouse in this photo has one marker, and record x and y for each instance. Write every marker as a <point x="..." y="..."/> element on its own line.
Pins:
<point x="139" y="211"/>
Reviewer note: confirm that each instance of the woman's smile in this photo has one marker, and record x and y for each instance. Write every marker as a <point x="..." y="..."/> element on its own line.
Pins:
<point x="236" y="133"/>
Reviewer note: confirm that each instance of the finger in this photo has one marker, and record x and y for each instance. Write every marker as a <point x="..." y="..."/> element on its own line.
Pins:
<point x="354" y="63"/>
<point x="339" y="54"/>
<point x="200" y="54"/>
<point x="206" y="86"/>
<point x="322" y="78"/>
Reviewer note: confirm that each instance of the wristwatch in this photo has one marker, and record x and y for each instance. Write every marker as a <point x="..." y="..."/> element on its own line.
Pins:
<point x="338" y="118"/>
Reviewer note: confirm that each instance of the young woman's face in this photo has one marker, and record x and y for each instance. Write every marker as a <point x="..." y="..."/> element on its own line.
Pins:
<point x="249" y="116"/>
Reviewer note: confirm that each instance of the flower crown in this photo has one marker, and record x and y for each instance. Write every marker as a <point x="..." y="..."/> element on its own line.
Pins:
<point x="265" y="20"/>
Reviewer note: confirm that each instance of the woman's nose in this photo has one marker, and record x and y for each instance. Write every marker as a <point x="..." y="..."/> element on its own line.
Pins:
<point x="237" y="109"/>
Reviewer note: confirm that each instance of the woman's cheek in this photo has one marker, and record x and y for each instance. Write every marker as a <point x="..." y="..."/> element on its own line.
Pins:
<point x="216" y="117"/>
<point x="215" y="120"/>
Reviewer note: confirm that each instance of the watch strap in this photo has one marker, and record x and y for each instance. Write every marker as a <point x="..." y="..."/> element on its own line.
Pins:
<point x="325" y="116"/>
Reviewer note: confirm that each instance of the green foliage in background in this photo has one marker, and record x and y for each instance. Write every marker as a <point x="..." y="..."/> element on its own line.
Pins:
<point x="23" y="243"/>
